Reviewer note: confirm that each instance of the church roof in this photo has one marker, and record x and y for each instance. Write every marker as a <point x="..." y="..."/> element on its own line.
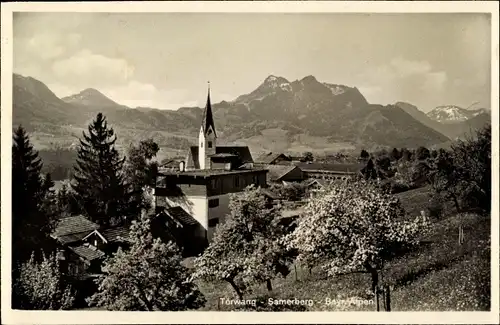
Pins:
<point x="243" y="153"/>
<point x="208" y="118"/>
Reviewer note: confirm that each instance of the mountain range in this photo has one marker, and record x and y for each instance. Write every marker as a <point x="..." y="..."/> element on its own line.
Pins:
<point x="301" y="115"/>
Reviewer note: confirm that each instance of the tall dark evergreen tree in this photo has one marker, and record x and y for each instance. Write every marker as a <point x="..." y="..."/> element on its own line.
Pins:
<point x="99" y="183"/>
<point x="369" y="171"/>
<point x="31" y="208"/>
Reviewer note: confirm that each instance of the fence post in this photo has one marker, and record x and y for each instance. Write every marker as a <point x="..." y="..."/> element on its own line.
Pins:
<point x="376" y="297"/>
<point x="387" y="298"/>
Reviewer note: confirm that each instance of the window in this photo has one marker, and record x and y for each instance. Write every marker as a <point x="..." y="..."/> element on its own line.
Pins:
<point x="213" y="222"/>
<point x="201" y="144"/>
<point x="213" y="203"/>
<point x="215" y="183"/>
<point x="210" y="144"/>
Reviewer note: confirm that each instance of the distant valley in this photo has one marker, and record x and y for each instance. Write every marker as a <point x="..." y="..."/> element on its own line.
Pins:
<point x="279" y="115"/>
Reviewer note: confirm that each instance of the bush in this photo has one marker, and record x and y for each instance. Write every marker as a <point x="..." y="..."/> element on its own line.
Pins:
<point x="40" y="286"/>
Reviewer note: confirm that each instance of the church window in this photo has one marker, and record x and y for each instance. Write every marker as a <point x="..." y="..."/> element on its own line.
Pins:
<point x="201" y="144"/>
<point x="210" y="144"/>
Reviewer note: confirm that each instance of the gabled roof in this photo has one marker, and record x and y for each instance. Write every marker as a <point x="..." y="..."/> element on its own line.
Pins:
<point x="116" y="234"/>
<point x="87" y="252"/>
<point x="270" y="157"/>
<point x="72" y="238"/>
<point x="313" y="181"/>
<point x="276" y="172"/>
<point x="243" y="153"/>
<point x="96" y="232"/>
<point x="74" y="225"/>
<point x="179" y="214"/>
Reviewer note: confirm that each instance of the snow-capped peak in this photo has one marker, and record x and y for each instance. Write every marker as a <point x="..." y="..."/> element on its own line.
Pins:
<point x="449" y="113"/>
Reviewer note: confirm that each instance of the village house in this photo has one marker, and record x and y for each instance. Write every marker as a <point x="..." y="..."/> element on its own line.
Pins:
<point x="194" y="198"/>
<point x="84" y="244"/>
<point x="273" y="158"/>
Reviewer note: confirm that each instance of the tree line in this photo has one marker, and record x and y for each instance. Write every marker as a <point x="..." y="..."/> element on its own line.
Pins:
<point x="460" y="175"/>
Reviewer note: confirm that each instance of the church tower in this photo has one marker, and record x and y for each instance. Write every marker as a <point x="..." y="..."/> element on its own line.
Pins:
<point x="207" y="138"/>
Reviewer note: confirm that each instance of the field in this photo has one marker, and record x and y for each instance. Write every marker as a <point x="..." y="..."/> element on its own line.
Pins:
<point x="439" y="275"/>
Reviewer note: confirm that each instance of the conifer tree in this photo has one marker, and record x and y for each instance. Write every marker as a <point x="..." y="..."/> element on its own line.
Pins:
<point x="31" y="220"/>
<point x="99" y="185"/>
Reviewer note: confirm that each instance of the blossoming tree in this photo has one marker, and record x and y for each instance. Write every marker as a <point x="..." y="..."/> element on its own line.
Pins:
<point x="148" y="276"/>
<point x="354" y="228"/>
<point x="247" y="247"/>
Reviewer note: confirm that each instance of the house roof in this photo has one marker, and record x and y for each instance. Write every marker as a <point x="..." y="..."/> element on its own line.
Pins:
<point x="87" y="252"/>
<point x="72" y="238"/>
<point x="179" y="214"/>
<point x="170" y="164"/>
<point x="270" y="157"/>
<point x="312" y="181"/>
<point x="223" y="155"/>
<point x="242" y="152"/>
<point x="276" y="172"/>
<point x="74" y="225"/>
<point x="116" y="234"/>
<point x="342" y="168"/>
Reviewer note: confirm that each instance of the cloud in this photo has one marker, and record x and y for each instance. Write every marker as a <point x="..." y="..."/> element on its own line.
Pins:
<point x="133" y="94"/>
<point x="86" y="67"/>
<point x="48" y="46"/>
<point x="402" y="79"/>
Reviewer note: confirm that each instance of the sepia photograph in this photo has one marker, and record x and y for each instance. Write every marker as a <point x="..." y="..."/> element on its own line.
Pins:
<point x="250" y="162"/>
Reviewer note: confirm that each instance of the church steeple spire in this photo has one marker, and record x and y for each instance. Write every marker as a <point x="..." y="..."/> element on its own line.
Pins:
<point x="208" y="119"/>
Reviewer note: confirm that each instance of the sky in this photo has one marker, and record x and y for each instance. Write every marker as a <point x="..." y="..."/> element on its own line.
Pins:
<point x="164" y="60"/>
